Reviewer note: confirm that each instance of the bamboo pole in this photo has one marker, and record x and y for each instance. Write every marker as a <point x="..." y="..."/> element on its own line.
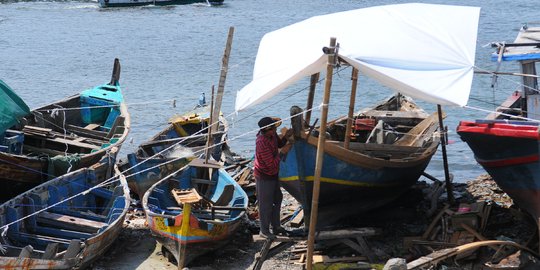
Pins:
<point x="209" y="133"/>
<point x="320" y="152"/>
<point x="186" y="213"/>
<point x="449" y="189"/>
<point x="221" y="85"/>
<point x="311" y="95"/>
<point x="354" y="78"/>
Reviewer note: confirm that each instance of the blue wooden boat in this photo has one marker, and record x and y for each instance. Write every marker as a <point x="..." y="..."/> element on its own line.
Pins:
<point x="391" y="145"/>
<point x="65" y="223"/>
<point x="63" y="136"/>
<point x="135" y="3"/>
<point x="422" y="57"/>
<point x="194" y="211"/>
<point x="506" y="143"/>
<point x="184" y="138"/>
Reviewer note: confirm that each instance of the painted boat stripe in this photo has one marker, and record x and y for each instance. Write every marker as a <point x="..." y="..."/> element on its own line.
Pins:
<point x="339" y="181"/>
<point x="508" y="161"/>
<point x="499" y="129"/>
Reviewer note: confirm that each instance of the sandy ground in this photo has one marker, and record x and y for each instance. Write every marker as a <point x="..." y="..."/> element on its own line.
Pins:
<point x="136" y="249"/>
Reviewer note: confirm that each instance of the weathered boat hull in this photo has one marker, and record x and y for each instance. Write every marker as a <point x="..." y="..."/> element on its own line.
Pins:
<point x="509" y="152"/>
<point x="389" y="148"/>
<point x="64" y="136"/>
<point x="172" y="148"/>
<point x="345" y="189"/>
<point x="207" y="230"/>
<point x="65" y="223"/>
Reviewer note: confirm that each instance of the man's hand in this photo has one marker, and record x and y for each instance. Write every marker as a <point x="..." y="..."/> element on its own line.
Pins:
<point x="285" y="149"/>
<point x="286" y="133"/>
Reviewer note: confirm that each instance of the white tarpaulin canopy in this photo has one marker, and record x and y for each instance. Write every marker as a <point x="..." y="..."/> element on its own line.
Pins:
<point x="424" y="51"/>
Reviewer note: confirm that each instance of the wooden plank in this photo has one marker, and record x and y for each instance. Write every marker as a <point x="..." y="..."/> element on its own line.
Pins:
<point x="91" y="126"/>
<point x="415" y="134"/>
<point x="434" y="222"/>
<point x="395" y="114"/>
<point x="70" y="222"/>
<point x="73" y="249"/>
<point x="26" y="252"/>
<point x="42" y="237"/>
<point x="346" y="233"/>
<point x="186" y="196"/>
<point x="243" y="178"/>
<point x="202" y="181"/>
<point x="96" y="134"/>
<point x="327" y="259"/>
<point x="298" y="220"/>
<point x="74" y="143"/>
<point x="51" y="152"/>
<point x="50" y="251"/>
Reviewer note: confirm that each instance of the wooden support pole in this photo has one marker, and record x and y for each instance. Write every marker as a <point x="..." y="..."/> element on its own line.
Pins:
<point x="320" y="152"/>
<point x="221" y="85"/>
<point x="209" y="141"/>
<point x="184" y="230"/>
<point x="352" y="101"/>
<point x="311" y="96"/>
<point x="449" y="189"/>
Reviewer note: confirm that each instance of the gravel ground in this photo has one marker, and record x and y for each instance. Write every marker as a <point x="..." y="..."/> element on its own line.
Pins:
<point x="136" y="249"/>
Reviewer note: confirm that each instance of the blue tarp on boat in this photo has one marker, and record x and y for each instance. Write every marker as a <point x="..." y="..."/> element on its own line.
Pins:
<point x="12" y="107"/>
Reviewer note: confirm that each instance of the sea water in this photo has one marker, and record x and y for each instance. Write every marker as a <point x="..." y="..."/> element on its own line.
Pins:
<point x="170" y="55"/>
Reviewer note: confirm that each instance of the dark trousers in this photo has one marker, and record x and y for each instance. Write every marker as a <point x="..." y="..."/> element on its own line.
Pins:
<point x="269" y="196"/>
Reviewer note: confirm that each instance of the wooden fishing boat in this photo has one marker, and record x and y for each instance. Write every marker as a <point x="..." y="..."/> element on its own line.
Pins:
<point x="66" y="135"/>
<point x="349" y="169"/>
<point x="135" y="3"/>
<point x="67" y="222"/>
<point x="388" y="148"/>
<point x="194" y="211"/>
<point x="507" y="142"/>
<point x="184" y="138"/>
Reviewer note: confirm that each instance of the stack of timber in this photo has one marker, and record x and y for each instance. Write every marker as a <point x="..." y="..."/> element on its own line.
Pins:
<point x="63" y="136"/>
<point x="67" y="222"/>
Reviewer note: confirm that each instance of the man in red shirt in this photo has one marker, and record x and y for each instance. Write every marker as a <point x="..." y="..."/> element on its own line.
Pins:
<point x="266" y="173"/>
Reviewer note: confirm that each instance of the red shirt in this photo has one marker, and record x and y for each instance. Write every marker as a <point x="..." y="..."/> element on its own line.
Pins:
<point x="267" y="154"/>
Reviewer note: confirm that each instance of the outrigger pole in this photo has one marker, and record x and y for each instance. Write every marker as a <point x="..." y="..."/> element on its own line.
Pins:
<point x="331" y="52"/>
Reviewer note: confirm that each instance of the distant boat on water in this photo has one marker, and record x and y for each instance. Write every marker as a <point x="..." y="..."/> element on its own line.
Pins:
<point x="67" y="222"/>
<point x="507" y="142"/>
<point x="133" y="3"/>
<point x="66" y="135"/>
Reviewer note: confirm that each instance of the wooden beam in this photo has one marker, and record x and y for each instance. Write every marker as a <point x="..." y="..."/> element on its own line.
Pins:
<point x="331" y="51"/>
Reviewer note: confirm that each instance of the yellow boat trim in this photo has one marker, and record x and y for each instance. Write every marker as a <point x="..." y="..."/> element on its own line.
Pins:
<point x="334" y="181"/>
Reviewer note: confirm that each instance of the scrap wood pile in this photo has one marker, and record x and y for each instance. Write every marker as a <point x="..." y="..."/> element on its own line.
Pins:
<point x="240" y="169"/>
<point x="484" y="231"/>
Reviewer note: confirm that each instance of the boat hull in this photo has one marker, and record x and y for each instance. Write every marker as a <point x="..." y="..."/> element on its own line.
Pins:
<point x="212" y="220"/>
<point x="509" y="152"/>
<point x="64" y="136"/>
<point x="77" y="231"/>
<point x="346" y="189"/>
<point x="171" y="149"/>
